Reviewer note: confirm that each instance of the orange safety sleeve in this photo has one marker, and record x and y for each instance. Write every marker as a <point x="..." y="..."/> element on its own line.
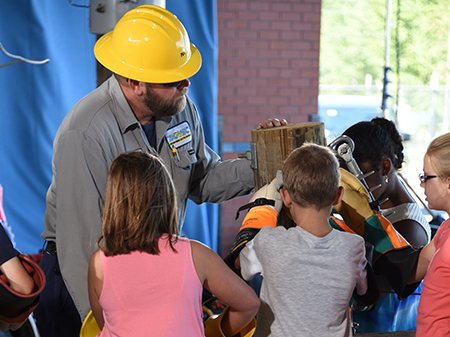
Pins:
<point x="259" y="217"/>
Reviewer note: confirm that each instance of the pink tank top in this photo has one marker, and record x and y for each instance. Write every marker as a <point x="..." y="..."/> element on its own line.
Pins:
<point x="152" y="295"/>
<point x="433" y="317"/>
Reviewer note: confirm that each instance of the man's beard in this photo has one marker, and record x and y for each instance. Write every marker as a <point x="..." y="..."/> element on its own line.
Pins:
<point x="161" y="107"/>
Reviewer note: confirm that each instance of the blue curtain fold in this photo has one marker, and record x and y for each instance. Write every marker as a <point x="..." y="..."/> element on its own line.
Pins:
<point x="199" y="18"/>
<point x="34" y="99"/>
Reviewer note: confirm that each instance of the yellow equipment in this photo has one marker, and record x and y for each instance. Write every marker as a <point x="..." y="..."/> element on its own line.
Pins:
<point x="213" y="326"/>
<point x="89" y="327"/>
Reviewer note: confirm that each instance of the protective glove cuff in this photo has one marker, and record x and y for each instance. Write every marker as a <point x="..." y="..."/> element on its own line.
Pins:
<point x="373" y="292"/>
<point x="257" y="202"/>
<point x="260" y="217"/>
<point x="397" y="266"/>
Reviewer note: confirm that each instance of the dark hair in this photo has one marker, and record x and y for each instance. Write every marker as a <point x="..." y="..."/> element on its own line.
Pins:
<point x="311" y="176"/>
<point x="375" y="140"/>
<point x="140" y="205"/>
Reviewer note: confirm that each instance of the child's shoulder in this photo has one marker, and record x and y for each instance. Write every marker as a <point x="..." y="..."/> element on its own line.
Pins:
<point x="349" y="237"/>
<point x="181" y="239"/>
<point x="270" y="234"/>
<point x="271" y="231"/>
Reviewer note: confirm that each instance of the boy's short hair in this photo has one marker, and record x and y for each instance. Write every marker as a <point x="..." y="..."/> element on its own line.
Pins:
<point x="311" y="176"/>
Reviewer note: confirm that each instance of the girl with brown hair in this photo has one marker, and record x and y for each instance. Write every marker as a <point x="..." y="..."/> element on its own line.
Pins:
<point x="146" y="279"/>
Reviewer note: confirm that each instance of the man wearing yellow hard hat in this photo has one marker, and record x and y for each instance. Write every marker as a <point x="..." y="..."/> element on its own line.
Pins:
<point x="144" y="106"/>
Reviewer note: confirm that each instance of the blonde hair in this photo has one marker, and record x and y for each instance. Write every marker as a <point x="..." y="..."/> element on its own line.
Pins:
<point x="311" y="176"/>
<point x="140" y="205"/>
<point x="439" y="150"/>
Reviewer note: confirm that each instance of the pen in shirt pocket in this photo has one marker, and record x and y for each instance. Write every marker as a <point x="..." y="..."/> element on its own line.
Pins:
<point x="175" y="153"/>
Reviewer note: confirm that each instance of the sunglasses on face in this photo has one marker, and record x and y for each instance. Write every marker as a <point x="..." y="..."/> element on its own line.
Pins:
<point x="172" y="84"/>
<point x="423" y="177"/>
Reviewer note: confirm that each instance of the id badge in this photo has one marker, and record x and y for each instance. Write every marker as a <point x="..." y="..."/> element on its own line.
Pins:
<point x="179" y="135"/>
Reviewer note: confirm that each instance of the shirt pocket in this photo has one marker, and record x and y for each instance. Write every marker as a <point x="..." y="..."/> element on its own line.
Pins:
<point x="184" y="156"/>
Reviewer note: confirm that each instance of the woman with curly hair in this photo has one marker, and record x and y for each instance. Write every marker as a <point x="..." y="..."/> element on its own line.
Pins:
<point x="379" y="148"/>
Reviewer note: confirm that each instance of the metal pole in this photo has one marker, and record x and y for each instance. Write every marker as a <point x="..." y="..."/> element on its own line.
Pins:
<point x="387" y="34"/>
<point x="384" y="107"/>
<point x="434" y="85"/>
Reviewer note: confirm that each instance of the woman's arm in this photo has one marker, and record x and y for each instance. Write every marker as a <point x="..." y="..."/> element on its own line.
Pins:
<point x="223" y="283"/>
<point x="10" y="265"/>
<point x="425" y="257"/>
<point x="413" y="232"/>
<point x="18" y="278"/>
<point x="95" y="284"/>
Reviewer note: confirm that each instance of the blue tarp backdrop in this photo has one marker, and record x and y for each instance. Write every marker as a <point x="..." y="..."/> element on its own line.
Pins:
<point x="35" y="98"/>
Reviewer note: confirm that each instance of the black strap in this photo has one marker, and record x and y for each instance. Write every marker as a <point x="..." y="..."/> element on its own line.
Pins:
<point x="368" y="300"/>
<point x="51" y="248"/>
<point x="242" y="238"/>
<point x="257" y="202"/>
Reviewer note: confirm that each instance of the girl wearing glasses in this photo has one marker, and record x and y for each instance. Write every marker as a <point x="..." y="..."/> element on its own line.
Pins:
<point x="433" y="318"/>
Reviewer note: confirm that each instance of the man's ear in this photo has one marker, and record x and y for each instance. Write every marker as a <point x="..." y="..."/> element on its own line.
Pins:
<point x="287" y="201"/>
<point x="339" y="196"/>
<point x="136" y="86"/>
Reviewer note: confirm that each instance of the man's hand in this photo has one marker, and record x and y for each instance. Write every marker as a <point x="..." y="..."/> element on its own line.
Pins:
<point x="271" y="122"/>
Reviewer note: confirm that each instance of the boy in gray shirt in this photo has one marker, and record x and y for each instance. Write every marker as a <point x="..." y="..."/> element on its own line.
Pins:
<point x="309" y="271"/>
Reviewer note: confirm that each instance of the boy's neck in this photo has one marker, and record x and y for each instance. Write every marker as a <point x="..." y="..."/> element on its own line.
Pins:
<point x="312" y="220"/>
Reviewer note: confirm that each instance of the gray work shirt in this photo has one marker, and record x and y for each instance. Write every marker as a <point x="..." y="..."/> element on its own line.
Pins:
<point x="95" y="131"/>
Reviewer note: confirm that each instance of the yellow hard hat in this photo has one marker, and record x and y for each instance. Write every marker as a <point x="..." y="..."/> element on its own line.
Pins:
<point x="149" y="44"/>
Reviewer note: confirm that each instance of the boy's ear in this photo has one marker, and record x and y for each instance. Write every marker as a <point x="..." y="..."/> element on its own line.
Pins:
<point x="339" y="196"/>
<point x="287" y="201"/>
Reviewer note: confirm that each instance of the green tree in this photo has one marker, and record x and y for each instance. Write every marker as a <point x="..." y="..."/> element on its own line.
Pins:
<point x="353" y="40"/>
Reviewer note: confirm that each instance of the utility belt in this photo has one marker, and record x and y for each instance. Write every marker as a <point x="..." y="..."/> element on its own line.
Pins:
<point x="51" y="249"/>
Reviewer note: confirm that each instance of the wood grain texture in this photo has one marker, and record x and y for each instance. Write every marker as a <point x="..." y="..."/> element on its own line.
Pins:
<point x="273" y="146"/>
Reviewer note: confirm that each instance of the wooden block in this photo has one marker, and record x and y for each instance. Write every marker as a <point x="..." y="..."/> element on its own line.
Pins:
<point x="273" y="146"/>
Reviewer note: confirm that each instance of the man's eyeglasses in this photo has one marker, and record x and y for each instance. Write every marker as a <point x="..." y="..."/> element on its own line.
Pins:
<point x="423" y="177"/>
<point x="172" y="84"/>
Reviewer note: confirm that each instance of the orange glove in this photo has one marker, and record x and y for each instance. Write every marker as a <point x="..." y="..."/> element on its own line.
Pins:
<point x="264" y="207"/>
